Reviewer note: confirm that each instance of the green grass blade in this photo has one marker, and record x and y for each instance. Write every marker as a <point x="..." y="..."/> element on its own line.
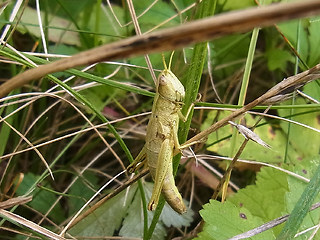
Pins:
<point x="301" y="208"/>
<point x="81" y="99"/>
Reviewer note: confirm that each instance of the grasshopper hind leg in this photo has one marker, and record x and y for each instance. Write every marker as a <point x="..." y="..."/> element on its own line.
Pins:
<point x="164" y="181"/>
<point x="138" y="162"/>
<point x="172" y="194"/>
<point x="163" y="163"/>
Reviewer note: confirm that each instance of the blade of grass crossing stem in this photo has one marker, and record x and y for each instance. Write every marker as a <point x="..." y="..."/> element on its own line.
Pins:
<point x="301" y="208"/>
<point x="192" y="78"/>
<point x="192" y="82"/>
<point x="81" y="99"/>
<point x="296" y="69"/>
<point x="81" y="74"/>
<point x="70" y="15"/>
<point x="241" y="100"/>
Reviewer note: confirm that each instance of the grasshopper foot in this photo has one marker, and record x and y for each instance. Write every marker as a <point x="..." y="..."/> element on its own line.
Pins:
<point x="152" y="206"/>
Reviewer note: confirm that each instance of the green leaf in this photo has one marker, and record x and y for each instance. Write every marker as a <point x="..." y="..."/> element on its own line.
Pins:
<point x="248" y="208"/>
<point x="312" y="89"/>
<point x="42" y="200"/>
<point x="278" y="59"/>
<point x="63" y="49"/>
<point x="80" y="188"/>
<point x="235" y="4"/>
<point x="314" y="41"/>
<point x="57" y="32"/>
<point x="125" y="213"/>
<point x="265" y="199"/>
<point x="290" y="30"/>
<point x="159" y="13"/>
<point x="171" y="218"/>
<point x="107" y="218"/>
<point x="72" y="6"/>
<point x="305" y="145"/>
<point x="230" y="49"/>
<point x="110" y="32"/>
<point x="225" y="220"/>
<point x="133" y="223"/>
<point x="274" y="194"/>
<point x="98" y="95"/>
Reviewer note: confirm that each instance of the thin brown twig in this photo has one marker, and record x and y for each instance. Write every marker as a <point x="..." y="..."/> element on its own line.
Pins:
<point x="15" y="201"/>
<point x="173" y="38"/>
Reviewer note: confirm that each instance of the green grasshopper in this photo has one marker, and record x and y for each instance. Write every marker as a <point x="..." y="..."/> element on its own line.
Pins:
<point x="162" y="139"/>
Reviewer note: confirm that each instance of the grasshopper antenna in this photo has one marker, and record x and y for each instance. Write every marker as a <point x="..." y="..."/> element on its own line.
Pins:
<point x="164" y="62"/>
<point x="170" y="61"/>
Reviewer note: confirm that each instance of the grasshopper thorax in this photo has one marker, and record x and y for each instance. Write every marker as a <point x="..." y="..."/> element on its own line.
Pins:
<point x="169" y="87"/>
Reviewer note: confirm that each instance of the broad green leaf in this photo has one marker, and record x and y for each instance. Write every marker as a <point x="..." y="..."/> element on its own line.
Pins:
<point x="158" y="13"/>
<point x="169" y="217"/>
<point x="124" y="213"/>
<point x="290" y="29"/>
<point x="312" y="89"/>
<point x="81" y="189"/>
<point x="63" y="49"/>
<point x="278" y="59"/>
<point x="274" y="194"/>
<point x="234" y="4"/>
<point x="73" y="6"/>
<point x="225" y="220"/>
<point x="58" y="27"/>
<point x="314" y="41"/>
<point x="98" y="95"/>
<point x="42" y="200"/>
<point x="230" y="51"/>
<point x="111" y="31"/>
<point x="248" y="208"/>
<point x="296" y="188"/>
<point x="265" y="199"/>
<point x="107" y="218"/>
<point x="305" y="145"/>
<point x="133" y="223"/>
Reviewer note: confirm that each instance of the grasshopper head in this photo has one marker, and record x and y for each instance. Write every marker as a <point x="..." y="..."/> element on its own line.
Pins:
<point x="169" y="87"/>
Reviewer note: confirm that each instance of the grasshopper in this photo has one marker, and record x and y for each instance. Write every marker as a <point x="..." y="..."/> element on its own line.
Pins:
<point x="162" y="139"/>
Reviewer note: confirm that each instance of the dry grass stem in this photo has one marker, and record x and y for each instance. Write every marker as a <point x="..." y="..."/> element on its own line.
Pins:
<point x="173" y="38"/>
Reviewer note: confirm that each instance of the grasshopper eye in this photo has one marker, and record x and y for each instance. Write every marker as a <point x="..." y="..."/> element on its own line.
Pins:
<point x="162" y="80"/>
